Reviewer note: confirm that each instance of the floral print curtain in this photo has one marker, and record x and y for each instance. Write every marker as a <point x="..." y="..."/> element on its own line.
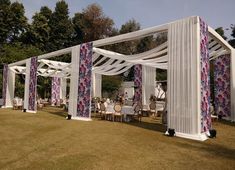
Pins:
<point x="205" y="77"/>
<point x="84" y="81"/>
<point x="222" y="85"/>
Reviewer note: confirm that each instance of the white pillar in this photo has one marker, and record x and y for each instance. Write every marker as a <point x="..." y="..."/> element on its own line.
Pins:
<point x="96" y="85"/>
<point x="183" y="79"/>
<point x="10" y="88"/>
<point x="233" y="84"/>
<point x="26" y="87"/>
<point x="148" y="83"/>
<point x="30" y="90"/>
<point x="74" y="81"/>
<point x="80" y="94"/>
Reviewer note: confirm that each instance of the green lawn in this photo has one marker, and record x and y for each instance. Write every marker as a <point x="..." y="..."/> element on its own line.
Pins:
<point x="47" y="141"/>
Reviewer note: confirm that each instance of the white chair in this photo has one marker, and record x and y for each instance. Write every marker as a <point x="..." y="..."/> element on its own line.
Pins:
<point x="117" y="113"/>
<point x="138" y="112"/>
<point x="152" y="109"/>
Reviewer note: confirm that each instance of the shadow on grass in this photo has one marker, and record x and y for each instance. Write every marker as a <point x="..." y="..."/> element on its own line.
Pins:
<point x="226" y="122"/>
<point x="148" y="125"/>
<point x="58" y="111"/>
<point x="213" y="149"/>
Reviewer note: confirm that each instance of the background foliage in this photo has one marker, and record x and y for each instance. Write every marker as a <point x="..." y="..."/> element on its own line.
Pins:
<point x="53" y="29"/>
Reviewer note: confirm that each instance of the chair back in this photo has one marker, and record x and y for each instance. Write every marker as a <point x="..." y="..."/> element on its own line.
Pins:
<point x="152" y="106"/>
<point x="137" y="108"/>
<point x="14" y="102"/>
<point x="117" y="108"/>
<point x="102" y="107"/>
<point x="97" y="105"/>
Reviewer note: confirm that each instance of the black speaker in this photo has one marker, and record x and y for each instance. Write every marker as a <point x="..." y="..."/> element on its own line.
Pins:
<point x="68" y="117"/>
<point x="171" y="132"/>
<point x="220" y="117"/>
<point x="24" y="110"/>
<point x="212" y="133"/>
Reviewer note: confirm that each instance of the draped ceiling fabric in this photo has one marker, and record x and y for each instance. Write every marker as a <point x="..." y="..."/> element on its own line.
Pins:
<point x="148" y="83"/>
<point x="183" y="78"/>
<point x="222" y="85"/>
<point x="138" y="83"/>
<point x="30" y="103"/>
<point x="55" y="90"/>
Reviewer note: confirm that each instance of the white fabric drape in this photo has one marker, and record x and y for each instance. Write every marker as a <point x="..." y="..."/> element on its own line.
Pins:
<point x="63" y="87"/>
<point x="26" y="87"/>
<point x="96" y="85"/>
<point x="148" y="83"/>
<point x="10" y="88"/>
<point x="73" y="93"/>
<point x="233" y="85"/>
<point x="183" y="76"/>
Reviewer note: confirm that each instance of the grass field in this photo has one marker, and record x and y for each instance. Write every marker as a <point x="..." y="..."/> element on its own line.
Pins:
<point x="47" y="141"/>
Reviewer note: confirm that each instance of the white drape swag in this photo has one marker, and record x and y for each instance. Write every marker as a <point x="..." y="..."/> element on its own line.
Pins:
<point x="183" y="72"/>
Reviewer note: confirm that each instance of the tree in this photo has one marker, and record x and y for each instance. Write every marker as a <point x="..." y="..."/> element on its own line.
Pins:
<point x="78" y="35"/>
<point x="17" y="51"/>
<point x="92" y="24"/>
<point x="129" y="47"/>
<point x="220" y="31"/>
<point x="111" y="84"/>
<point x="4" y="20"/>
<point x="232" y="41"/>
<point x="40" y="32"/>
<point x="61" y="27"/>
<point x="18" y="21"/>
<point x="46" y="12"/>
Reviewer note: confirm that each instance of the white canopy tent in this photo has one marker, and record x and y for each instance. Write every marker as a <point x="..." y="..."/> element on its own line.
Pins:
<point x="183" y="55"/>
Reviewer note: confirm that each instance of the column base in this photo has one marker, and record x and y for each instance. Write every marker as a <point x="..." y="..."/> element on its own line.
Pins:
<point x="199" y="137"/>
<point x="81" y="118"/>
<point x="5" y="107"/>
<point x="30" y="111"/>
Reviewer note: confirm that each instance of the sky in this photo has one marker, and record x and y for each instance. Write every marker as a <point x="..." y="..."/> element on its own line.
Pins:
<point x="149" y="13"/>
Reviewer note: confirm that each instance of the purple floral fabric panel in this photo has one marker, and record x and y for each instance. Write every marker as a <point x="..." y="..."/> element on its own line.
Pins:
<point x="33" y="83"/>
<point x="138" y="83"/>
<point x="205" y="78"/>
<point x="222" y="85"/>
<point x="55" y="90"/>
<point x="84" y="81"/>
<point x="4" y="84"/>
